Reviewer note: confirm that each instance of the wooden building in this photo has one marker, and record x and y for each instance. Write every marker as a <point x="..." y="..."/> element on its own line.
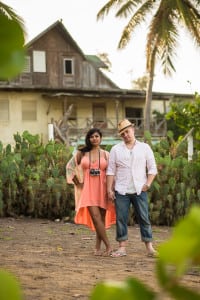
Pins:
<point x="64" y="89"/>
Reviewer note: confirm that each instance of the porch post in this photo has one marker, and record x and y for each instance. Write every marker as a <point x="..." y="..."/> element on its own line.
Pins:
<point x="65" y="120"/>
<point x="50" y="132"/>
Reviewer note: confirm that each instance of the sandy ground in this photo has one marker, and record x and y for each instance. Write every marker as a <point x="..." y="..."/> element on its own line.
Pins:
<point x="54" y="260"/>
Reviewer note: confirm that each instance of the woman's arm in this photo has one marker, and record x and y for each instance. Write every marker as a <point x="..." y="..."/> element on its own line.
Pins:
<point x="79" y="156"/>
<point x="75" y="180"/>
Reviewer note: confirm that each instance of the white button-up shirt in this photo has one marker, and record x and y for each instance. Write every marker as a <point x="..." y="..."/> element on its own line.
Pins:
<point x="141" y="164"/>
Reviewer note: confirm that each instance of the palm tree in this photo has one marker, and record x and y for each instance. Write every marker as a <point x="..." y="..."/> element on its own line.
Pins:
<point x="167" y="18"/>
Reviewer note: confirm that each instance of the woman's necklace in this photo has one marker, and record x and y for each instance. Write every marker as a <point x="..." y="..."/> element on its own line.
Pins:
<point x="94" y="172"/>
<point x="97" y="155"/>
<point x="93" y="155"/>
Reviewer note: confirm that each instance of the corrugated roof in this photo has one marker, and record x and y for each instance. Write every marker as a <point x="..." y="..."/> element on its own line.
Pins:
<point x="96" y="61"/>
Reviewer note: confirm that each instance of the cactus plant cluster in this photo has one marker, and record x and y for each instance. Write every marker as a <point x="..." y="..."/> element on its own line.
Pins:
<point x="32" y="179"/>
<point x="177" y="185"/>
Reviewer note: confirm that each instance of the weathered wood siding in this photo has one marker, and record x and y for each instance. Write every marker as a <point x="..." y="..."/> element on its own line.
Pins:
<point x="57" y="46"/>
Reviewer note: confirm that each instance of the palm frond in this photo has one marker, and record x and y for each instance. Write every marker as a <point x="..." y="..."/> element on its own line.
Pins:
<point x="163" y="36"/>
<point x="10" y="14"/>
<point x="191" y="20"/>
<point x="135" y="21"/>
<point x="127" y="8"/>
<point x="108" y="7"/>
<point x="168" y="67"/>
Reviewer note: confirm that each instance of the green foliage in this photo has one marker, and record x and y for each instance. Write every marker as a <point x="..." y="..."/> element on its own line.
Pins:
<point x="147" y="137"/>
<point x="9" y="287"/>
<point x="176" y="256"/>
<point x="12" y="52"/>
<point x="179" y="254"/>
<point x="185" y="236"/>
<point x="186" y="116"/>
<point x="171" y="124"/>
<point x="130" y="289"/>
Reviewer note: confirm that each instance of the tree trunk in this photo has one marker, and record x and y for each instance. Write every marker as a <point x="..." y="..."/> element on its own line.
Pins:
<point x="150" y="72"/>
<point x="147" y="110"/>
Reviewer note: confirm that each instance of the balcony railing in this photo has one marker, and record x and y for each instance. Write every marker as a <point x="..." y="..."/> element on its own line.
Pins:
<point x="108" y="127"/>
<point x="73" y="130"/>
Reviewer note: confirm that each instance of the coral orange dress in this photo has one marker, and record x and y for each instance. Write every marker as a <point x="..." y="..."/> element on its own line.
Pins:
<point x="94" y="193"/>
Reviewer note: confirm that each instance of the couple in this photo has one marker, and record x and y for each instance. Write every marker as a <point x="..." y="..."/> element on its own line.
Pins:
<point x="107" y="183"/>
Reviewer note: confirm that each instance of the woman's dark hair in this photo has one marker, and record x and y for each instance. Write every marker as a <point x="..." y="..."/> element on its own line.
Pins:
<point x="88" y="145"/>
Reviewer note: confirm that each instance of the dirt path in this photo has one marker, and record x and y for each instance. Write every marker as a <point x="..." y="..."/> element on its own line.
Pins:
<point x="54" y="260"/>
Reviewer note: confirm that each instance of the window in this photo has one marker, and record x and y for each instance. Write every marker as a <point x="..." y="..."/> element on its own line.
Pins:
<point x="72" y="117"/>
<point x="27" y="67"/>
<point x="39" y="61"/>
<point x="134" y="115"/>
<point x="99" y="115"/>
<point x="4" y="110"/>
<point x="73" y="114"/>
<point x="29" y="110"/>
<point x="68" y="66"/>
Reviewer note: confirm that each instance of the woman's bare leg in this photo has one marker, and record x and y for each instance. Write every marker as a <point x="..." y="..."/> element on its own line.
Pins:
<point x="98" y="218"/>
<point x="98" y="245"/>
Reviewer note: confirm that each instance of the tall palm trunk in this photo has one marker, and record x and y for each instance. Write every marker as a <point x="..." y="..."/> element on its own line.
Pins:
<point x="147" y="109"/>
<point x="150" y="78"/>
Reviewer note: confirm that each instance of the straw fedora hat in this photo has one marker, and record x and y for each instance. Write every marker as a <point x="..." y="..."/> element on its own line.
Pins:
<point x="123" y="125"/>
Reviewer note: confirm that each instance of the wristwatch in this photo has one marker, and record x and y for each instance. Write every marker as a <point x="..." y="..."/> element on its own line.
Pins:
<point x="147" y="185"/>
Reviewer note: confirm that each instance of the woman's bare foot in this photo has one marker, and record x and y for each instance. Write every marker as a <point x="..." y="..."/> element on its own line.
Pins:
<point x="107" y="252"/>
<point x="97" y="252"/>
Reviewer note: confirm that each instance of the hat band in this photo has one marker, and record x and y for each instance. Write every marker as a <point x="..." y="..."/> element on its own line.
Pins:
<point x="125" y="128"/>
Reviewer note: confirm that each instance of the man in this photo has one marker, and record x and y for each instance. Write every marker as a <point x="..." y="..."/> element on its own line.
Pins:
<point x="130" y="173"/>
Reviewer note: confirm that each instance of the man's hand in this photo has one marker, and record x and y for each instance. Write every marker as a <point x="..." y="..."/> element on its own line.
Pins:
<point x="111" y="196"/>
<point x="145" y="187"/>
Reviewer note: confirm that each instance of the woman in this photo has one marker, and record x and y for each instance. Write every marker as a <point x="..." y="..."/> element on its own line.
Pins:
<point x="87" y="170"/>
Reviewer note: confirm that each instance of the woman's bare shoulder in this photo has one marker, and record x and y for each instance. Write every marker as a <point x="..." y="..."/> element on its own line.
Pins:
<point x="79" y="156"/>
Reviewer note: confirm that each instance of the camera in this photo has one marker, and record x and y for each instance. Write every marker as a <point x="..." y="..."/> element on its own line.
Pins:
<point x="94" y="172"/>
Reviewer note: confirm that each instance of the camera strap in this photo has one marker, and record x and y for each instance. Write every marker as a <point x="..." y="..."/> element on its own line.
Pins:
<point x="90" y="160"/>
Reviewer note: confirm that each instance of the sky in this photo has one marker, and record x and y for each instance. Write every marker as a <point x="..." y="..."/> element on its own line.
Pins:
<point x="93" y="37"/>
